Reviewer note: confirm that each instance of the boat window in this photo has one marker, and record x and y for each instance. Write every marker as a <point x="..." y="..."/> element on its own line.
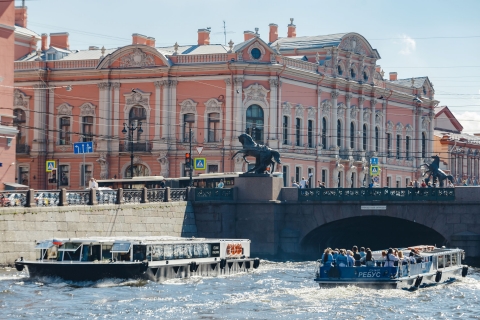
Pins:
<point x="69" y="246"/>
<point x="44" y="245"/>
<point x="139" y="252"/>
<point x="201" y="250"/>
<point x="178" y="251"/>
<point x="441" y="260"/>
<point x="106" y="252"/>
<point x="448" y="260"/>
<point x="189" y="251"/>
<point x="168" y="251"/>
<point x="70" y="255"/>
<point x="157" y="253"/>
<point x="122" y="247"/>
<point x="454" y="259"/>
<point x="91" y="252"/>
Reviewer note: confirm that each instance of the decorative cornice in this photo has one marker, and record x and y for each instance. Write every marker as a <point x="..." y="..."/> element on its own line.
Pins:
<point x="116" y="85"/>
<point x="87" y="109"/>
<point x="361" y="99"/>
<point x="228" y="81"/>
<point x="103" y="85"/>
<point x="213" y="106"/>
<point x="137" y="58"/>
<point x="334" y="94"/>
<point x="188" y="106"/>
<point x="39" y="86"/>
<point x="348" y="96"/>
<point x="64" y="109"/>
<point x="158" y="84"/>
<point x="273" y="82"/>
<point x="299" y="110"/>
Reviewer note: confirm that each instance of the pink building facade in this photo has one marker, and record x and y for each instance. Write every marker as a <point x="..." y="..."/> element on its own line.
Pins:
<point x="322" y="101"/>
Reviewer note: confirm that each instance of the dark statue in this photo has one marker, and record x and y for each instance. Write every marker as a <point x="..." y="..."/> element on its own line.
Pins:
<point x="434" y="171"/>
<point x="263" y="154"/>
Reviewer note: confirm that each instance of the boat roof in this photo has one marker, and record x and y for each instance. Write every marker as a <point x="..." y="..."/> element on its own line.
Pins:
<point x="141" y="240"/>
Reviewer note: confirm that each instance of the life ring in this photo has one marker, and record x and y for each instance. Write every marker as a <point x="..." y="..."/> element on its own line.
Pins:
<point x="230" y="249"/>
<point x="238" y="249"/>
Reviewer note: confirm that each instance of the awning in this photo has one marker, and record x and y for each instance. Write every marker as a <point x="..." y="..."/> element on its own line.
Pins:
<point x="70" y="247"/>
<point x="121" y="247"/>
<point x="44" y="245"/>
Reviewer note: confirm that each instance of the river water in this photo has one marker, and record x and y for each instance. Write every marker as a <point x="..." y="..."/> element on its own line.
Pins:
<point x="277" y="290"/>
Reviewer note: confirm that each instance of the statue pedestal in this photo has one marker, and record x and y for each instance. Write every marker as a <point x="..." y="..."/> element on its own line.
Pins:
<point x="258" y="187"/>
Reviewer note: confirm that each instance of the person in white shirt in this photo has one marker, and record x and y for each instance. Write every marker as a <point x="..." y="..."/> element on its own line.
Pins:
<point x="220" y="184"/>
<point x="303" y="183"/>
<point x="295" y="184"/>
<point x="93" y="184"/>
<point x="390" y="259"/>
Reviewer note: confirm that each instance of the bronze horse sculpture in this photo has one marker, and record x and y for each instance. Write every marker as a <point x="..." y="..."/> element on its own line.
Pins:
<point x="263" y="154"/>
<point x="435" y="172"/>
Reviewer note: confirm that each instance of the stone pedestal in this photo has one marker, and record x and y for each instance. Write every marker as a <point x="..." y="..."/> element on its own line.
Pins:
<point x="258" y="187"/>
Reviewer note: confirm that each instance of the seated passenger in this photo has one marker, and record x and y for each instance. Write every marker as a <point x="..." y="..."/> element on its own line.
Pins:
<point x="368" y="260"/>
<point x="335" y="253"/>
<point x="384" y="258"/>
<point x="356" y="256"/>
<point x="362" y="252"/>
<point x="412" y="258"/>
<point x="327" y="258"/>
<point x="342" y="260"/>
<point x="390" y="259"/>
<point x="401" y="259"/>
<point x="350" y="259"/>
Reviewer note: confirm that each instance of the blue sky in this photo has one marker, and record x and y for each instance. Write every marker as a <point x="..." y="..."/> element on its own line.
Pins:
<point x="439" y="39"/>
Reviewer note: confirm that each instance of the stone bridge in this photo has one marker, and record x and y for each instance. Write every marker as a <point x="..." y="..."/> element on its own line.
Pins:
<point x="280" y="225"/>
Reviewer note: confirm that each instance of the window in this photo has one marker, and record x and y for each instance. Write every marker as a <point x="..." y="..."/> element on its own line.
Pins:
<point x="469" y="167"/>
<point x="407" y="148"/>
<point x="340" y="180"/>
<point x="310" y="133"/>
<point x="324" y="176"/>
<point x="285" y="130"/>
<point x="188" y="122"/>
<point x="364" y="136"/>
<point x="213" y="123"/>
<point x="377" y="139"/>
<point x="407" y="181"/>
<point x="64" y="175"/>
<point x="352" y="135"/>
<point x="87" y="174"/>
<point x="389" y="145"/>
<point x="285" y="176"/>
<point x="353" y="75"/>
<point x="20" y="122"/>
<point x="453" y="166"/>
<point x="256" y="53"/>
<point x="339" y="133"/>
<point x="399" y="139"/>
<point x="23" y="175"/>
<point x="87" y="129"/>
<point x="297" y="132"/>
<point x="212" y="168"/>
<point x="353" y="181"/>
<point x="136" y="116"/>
<point x="255" y="123"/>
<point x="424" y="144"/>
<point x="297" y="174"/>
<point x="324" y="133"/>
<point x="139" y="170"/>
<point x="365" y="76"/>
<point x="311" y="182"/>
<point x="64" y="131"/>
<point x="389" y="182"/>
<point x="398" y="184"/>
<point x="339" y="70"/>
<point x="51" y="56"/>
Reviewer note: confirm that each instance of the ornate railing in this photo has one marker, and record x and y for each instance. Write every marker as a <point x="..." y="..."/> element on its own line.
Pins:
<point x="208" y="194"/>
<point x="107" y="196"/>
<point x="178" y="194"/>
<point x="299" y="64"/>
<point x="78" y="197"/>
<point x="75" y="64"/>
<point x="47" y="198"/>
<point x="202" y="58"/>
<point x="29" y="65"/>
<point x="377" y="194"/>
<point x="13" y="198"/>
<point x="156" y="195"/>
<point x="132" y="196"/>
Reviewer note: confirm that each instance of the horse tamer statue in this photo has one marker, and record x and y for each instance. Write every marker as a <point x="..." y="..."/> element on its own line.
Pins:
<point x="263" y="154"/>
<point x="434" y="171"/>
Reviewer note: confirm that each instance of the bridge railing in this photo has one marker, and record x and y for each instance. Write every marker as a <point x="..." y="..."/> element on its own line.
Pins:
<point x="377" y="194"/>
<point x="214" y="194"/>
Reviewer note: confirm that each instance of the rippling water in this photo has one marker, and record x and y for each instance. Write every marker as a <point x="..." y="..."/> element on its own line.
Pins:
<point x="275" y="290"/>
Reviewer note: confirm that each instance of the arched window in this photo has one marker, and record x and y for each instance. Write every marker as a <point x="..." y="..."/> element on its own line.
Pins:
<point x="364" y="142"/>
<point x="64" y="131"/>
<point x="399" y="141"/>
<point x="188" y="122"/>
<point x="20" y="122"/>
<point x="285" y="130"/>
<point x="213" y="130"/>
<point x="352" y="135"/>
<point x="87" y="129"/>
<point x="298" y="127"/>
<point x="424" y="144"/>
<point x="377" y="138"/>
<point x="324" y="133"/>
<point x="389" y="144"/>
<point x="255" y="123"/>
<point x="339" y="133"/>
<point x="139" y="170"/>
<point x="407" y="147"/>
<point x="310" y="133"/>
<point x="137" y="116"/>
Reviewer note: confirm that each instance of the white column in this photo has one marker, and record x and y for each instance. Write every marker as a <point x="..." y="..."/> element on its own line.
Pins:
<point x="431" y="116"/>
<point x="373" y="103"/>
<point x="414" y="142"/>
<point x="228" y="118"/>
<point x="333" y="121"/>
<point x="165" y="108"/>
<point x="361" y="100"/>
<point x="318" y="127"/>
<point x="172" y="123"/>
<point x="103" y="111"/>
<point x="158" y="121"/>
<point x="348" y="97"/>
<point x="238" y="106"/>
<point x="419" y="147"/>
<point x="51" y="121"/>
<point x="116" y="117"/>
<point x="382" y="135"/>
<point x="39" y="116"/>
<point x="272" y="128"/>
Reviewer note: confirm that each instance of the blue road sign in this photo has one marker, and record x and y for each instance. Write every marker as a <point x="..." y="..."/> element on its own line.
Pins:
<point x="374" y="161"/>
<point x="199" y="163"/>
<point x="83" y="147"/>
<point x="50" y="165"/>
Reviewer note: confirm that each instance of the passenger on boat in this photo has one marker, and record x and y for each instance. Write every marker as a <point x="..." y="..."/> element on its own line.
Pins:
<point x="138" y="255"/>
<point x="401" y="259"/>
<point x="327" y="257"/>
<point x="384" y="257"/>
<point x="368" y="260"/>
<point x="356" y="256"/>
<point x="341" y="260"/>
<point x="350" y="258"/>
<point x="335" y="254"/>
<point x="390" y="259"/>
<point x="412" y="257"/>
<point x="362" y="252"/>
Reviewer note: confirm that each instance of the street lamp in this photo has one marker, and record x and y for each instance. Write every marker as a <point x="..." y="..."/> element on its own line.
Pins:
<point x="131" y="128"/>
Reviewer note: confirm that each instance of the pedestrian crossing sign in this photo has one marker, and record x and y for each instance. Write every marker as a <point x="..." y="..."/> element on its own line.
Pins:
<point x="374" y="171"/>
<point x="199" y="163"/>
<point x="50" y="165"/>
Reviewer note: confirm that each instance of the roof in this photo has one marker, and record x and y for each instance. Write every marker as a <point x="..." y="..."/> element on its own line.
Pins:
<point x="417" y="82"/>
<point x="26" y="32"/>
<point x="446" y="111"/>
<point x="331" y="40"/>
<point x="87" y="54"/>
<point x="470" y="138"/>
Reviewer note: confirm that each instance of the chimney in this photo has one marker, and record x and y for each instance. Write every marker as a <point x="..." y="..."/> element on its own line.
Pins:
<point x="44" y="41"/>
<point x="21" y="16"/>
<point x="273" y="35"/>
<point x="292" y="29"/>
<point x="59" y="40"/>
<point x="138" y="38"/>
<point x="151" y="42"/>
<point x="247" y="35"/>
<point x="203" y="37"/>
<point x="393" y="76"/>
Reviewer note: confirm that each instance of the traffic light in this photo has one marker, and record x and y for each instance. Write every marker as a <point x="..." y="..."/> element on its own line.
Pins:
<point x="188" y="160"/>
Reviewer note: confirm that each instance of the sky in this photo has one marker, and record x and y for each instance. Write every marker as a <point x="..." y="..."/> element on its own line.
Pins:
<point x="439" y="39"/>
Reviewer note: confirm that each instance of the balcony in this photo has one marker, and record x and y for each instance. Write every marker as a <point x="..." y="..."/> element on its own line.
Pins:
<point x="23" y="149"/>
<point x="137" y="147"/>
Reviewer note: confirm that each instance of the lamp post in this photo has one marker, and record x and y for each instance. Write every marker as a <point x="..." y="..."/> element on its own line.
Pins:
<point x="134" y="125"/>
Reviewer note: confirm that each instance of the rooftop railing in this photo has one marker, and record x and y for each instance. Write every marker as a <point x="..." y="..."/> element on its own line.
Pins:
<point x="202" y="58"/>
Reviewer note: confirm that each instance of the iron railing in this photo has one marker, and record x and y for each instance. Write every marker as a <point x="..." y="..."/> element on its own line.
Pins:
<point x="22" y="149"/>
<point x="178" y="194"/>
<point x="107" y="196"/>
<point x="156" y="195"/>
<point x="377" y="194"/>
<point x="208" y="194"/>
<point x="47" y="198"/>
<point x="78" y="197"/>
<point x="132" y="196"/>
<point x="13" y="198"/>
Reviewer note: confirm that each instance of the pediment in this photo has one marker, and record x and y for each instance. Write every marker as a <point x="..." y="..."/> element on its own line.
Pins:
<point x="134" y="56"/>
<point x="354" y="42"/>
<point x="245" y="53"/>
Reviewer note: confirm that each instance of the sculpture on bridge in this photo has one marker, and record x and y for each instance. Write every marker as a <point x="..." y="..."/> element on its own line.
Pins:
<point x="434" y="171"/>
<point x="263" y="154"/>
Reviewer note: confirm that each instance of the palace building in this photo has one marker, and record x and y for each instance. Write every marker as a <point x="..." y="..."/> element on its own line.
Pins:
<point x="322" y="101"/>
